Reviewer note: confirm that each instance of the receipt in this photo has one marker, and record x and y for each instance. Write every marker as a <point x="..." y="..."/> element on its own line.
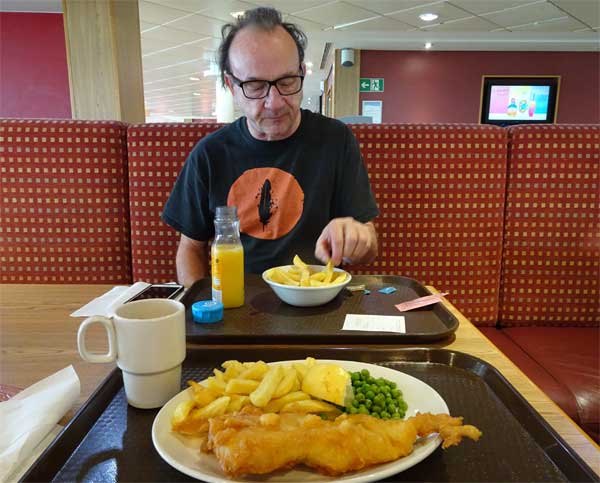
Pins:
<point x="375" y="323"/>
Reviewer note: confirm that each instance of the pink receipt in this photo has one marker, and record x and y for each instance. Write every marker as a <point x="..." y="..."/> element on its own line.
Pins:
<point x="420" y="302"/>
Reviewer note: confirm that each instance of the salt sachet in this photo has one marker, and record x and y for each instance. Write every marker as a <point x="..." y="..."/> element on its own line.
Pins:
<point x="420" y="302"/>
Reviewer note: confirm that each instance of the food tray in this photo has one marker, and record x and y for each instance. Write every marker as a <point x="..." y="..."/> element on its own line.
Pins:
<point x="267" y="319"/>
<point x="110" y="441"/>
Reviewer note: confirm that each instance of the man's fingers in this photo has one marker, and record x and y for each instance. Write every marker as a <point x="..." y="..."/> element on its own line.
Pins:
<point x="336" y="241"/>
<point x="345" y="239"/>
<point x="351" y="239"/>
<point x="322" y="248"/>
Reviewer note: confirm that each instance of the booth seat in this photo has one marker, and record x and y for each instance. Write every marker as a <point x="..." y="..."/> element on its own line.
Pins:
<point x="440" y="189"/>
<point x="64" y="214"/>
<point x="507" y="221"/>
<point x="156" y="155"/>
<point x="549" y="286"/>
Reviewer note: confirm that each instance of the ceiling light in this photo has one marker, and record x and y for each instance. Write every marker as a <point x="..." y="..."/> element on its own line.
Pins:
<point x="194" y="78"/>
<point x="195" y="93"/>
<point x="428" y="17"/>
<point x="237" y="14"/>
<point x="309" y="64"/>
<point x="428" y="45"/>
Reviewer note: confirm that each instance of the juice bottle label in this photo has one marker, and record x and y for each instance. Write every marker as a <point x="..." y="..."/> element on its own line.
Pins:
<point x="217" y="294"/>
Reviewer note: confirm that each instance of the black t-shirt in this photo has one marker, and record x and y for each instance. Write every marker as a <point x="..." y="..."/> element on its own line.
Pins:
<point x="286" y="191"/>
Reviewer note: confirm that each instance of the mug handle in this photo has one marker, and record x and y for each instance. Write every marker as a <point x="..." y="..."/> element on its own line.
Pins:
<point x="111" y="355"/>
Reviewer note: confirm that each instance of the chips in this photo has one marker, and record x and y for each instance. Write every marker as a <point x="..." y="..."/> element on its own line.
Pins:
<point x="302" y="275"/>
<point x="273" y="388"/>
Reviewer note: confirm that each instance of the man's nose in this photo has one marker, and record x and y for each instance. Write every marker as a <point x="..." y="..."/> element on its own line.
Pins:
<point x="274" y="99"/>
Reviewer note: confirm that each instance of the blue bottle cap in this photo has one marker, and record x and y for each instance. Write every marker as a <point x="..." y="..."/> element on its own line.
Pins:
<point x="207" y="311"/>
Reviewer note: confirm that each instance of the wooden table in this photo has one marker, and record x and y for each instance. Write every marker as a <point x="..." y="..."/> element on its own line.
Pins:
<point x="38" y="338"/>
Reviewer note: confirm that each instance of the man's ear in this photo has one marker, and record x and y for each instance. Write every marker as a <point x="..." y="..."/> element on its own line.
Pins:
<point x="303" y="68"/>
<point x="228" y="83"/>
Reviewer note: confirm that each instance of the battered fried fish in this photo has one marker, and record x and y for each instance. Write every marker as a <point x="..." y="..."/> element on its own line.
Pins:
<point x="251" y="442"/>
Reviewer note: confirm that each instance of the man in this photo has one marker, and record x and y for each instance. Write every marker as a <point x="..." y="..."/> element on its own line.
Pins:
<point x="297" y="178"/>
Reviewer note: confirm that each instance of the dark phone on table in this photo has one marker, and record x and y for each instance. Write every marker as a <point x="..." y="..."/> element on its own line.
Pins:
<point x="158" y="291"/>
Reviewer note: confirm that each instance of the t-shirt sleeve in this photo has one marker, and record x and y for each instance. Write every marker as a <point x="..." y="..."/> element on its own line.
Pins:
<point x="187" y="208"/>
<point x="353" y="194"/>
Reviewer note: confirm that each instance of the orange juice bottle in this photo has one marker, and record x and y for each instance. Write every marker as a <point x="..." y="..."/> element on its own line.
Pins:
<point x="227" y="259"/>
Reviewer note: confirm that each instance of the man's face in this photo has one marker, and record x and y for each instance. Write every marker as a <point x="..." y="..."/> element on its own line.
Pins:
<point x="257" y="54"/>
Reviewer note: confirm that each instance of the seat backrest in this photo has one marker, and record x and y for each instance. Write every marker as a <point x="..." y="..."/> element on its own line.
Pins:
<point x="64" y="206"/>
<point x="440" y="190"/>
<point x="156" y="155"/>
<point x="551" y="259"/>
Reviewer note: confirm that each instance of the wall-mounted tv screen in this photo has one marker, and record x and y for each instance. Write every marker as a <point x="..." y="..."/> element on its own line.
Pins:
<point x="519" y="100"/>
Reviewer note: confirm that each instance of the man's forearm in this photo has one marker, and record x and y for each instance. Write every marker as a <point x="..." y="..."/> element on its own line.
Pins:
<point x="192" y="264"/>
<point x="373" y="245"/>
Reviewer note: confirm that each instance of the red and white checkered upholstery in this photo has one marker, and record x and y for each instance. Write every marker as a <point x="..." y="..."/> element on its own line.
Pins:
<point x="156" y="155"/>
<point x="551" y="260"/>
<point x="440" y="190"/>
<point x="64" y="213"/>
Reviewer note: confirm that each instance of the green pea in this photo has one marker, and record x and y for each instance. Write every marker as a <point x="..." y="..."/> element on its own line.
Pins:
<point x="353" y="410"/>
<point x="376" y="408"/>
<point x="364" y="373"/>
<point x="385" y="415"/>
<point x="370" y="394"/>
<point x="395" y="393"/>
<point x="396" y="416"/>
<point x="368" y="403"/>
<point x="375" y="415"/>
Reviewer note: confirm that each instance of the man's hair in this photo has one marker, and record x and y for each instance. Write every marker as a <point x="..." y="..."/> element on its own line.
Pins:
<point x="263" y="18"/>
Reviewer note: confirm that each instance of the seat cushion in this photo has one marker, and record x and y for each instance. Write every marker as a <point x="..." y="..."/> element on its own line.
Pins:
<point x="551" y="256"/>
<point x="440" y="189"/>
<point x="156" y="155"/>
<point x="562" y="361"/>
<point x="64" y="215"/>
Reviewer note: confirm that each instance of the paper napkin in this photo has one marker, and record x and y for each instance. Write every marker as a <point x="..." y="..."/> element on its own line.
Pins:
<point x="117" y="295"/>
<point x="31" y="415"/>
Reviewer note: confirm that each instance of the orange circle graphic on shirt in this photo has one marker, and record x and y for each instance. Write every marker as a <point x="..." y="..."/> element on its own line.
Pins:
<point x="269" y="202"/>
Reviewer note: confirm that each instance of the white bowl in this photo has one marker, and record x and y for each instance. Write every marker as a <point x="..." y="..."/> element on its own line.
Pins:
<point x="307" y="296"/>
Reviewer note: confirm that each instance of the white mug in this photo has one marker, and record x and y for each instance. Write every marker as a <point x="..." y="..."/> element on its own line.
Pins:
<point x="147" y="339"/>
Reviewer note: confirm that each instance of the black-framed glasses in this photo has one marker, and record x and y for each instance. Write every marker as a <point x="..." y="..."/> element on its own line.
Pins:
<point x="259" y="89"/>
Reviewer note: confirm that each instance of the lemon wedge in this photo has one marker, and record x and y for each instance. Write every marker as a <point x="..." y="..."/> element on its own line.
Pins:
<point x="328" y="382"/>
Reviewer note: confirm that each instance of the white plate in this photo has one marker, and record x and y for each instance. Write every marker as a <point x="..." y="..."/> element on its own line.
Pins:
<point x="183" y="453"/>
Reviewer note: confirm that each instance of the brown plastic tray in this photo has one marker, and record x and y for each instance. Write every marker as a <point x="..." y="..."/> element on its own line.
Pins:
<point x="267" y="319"/>
<point x="110" y="441"/>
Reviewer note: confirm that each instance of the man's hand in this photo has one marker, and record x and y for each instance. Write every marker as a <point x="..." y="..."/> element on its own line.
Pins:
<point x="192" y="260"/>
<point x="347" y="239"/>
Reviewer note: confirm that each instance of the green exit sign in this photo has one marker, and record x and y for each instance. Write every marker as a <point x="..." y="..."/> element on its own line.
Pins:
<point x="368" y="84"/>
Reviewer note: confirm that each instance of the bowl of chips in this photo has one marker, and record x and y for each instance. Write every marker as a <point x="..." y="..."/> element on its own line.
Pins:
<point x="305" y="285"/>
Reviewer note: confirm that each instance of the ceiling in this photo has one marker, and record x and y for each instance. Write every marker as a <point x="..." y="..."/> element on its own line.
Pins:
<point x="179" y="38"/>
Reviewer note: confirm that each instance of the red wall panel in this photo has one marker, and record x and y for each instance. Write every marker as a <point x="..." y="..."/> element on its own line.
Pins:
<point x="34" y="79"/>
<point x="446" y="86"/>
